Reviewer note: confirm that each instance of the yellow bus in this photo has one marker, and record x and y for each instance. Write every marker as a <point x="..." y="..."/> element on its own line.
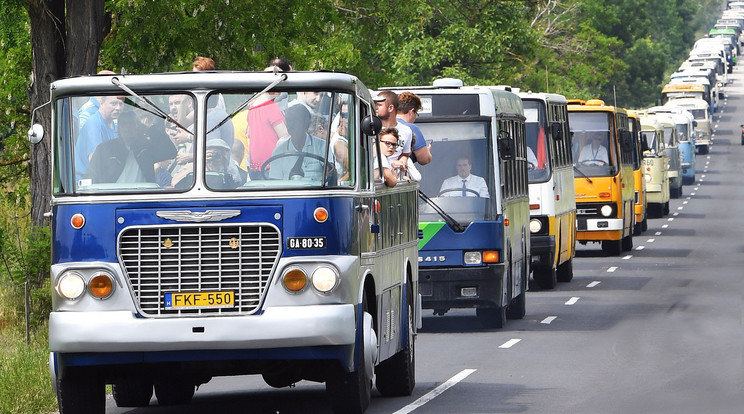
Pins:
<point x="641" y="206"/>
<point x="602" y="150"/>
<point x="551" y="185"/>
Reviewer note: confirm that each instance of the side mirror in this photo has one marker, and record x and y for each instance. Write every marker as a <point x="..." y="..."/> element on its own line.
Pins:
<point x="644" y="146"/>
<point x="36" y="134"/>
<point x="507" y="148"/>
<point x="556" y="131"/>
<point x="694" y="123"/>
<point x="371" y="125"/>
<point x="626" y="140"/>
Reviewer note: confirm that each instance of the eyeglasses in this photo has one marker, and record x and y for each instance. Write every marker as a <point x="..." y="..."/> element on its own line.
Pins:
<point x="390" y="144"/>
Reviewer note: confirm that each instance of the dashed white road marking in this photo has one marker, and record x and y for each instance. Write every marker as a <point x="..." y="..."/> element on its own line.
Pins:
<point x="658" y="233"/>
<point x="670" y="219"/>
<point x="510" y="343"/>
<point x="640" y="247"/>
<point x="611" y="269"/>
<point x="650" y="240"/>
<point x="435" y="392"/>
<point x="573" y="300"/>
<point x="628" y="257"/>
<point x="549" y="319"/>
<point x="593" y="284"/>
<point x="664" y="226"/>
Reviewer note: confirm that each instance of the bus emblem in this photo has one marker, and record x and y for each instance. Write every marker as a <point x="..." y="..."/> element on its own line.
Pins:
<point x="234" y="243"/>
<point x="168" y="243"/>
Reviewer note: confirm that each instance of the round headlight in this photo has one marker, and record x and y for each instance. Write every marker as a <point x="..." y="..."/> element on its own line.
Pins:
<point x="535" y="225"/>
<point x="648" y="177"/>
<point x="101" y="285"/>
<point x="71" y="286"/>
<point x="294" y="279"/>
<point x="324" y="279"/>
<point x="606" y="210"/>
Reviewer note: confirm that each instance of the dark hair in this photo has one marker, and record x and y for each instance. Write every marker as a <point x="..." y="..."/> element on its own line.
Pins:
<point x="390" y="131"/>
<point x="281" y="63"/>
<point x="408" y="101"/>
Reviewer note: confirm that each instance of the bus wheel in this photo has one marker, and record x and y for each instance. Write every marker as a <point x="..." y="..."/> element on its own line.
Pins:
<point x="396" y="376"/>
<point x="644" y="225"/>
<point x="132" y="392"/>
<point x="627" y="243"/>
<point x="546" y="278"/>
<point x="612" y="247"/>
<point x="350" y="392"/>
<point x="565" y="271"/>
<point x="81" y="390"/>
<point x="492" y="318"/>
<point x="666" y="208"/>
<point x="174" y="391"/>
<point x="517" y="308"/>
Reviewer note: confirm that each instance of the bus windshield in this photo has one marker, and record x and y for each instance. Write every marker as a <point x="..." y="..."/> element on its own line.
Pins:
<point x="593" y="150"/>
<point x="461" y="155"/>
<point x="651" y="139"/>
<point x="538" y="161"/>
<point x="242" y="141"/>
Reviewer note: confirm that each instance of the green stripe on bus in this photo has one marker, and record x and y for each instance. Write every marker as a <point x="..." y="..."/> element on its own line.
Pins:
<point x="429" y="229"/>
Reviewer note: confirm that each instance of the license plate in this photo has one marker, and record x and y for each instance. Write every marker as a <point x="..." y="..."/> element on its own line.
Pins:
<point x="306" y="242"/>
<point x="199" y="300"/>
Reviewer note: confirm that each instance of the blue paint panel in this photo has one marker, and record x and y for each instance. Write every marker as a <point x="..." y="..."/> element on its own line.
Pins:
<point x="96" y="241"/>
<point x="440" y="258"/>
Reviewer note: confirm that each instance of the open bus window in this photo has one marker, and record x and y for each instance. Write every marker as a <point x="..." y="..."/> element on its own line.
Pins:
<point x="538" y="161"/>
<point x="458" y="179"/>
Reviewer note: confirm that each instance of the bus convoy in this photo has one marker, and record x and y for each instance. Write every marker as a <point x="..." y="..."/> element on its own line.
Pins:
<point x="174" y="261"/>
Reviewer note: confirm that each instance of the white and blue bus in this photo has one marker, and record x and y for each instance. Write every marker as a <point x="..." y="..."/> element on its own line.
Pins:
<point x="171" y="264"/>
<point x="473" y="215"/>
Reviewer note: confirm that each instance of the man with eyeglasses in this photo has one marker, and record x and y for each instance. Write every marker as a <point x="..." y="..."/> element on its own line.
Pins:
<point x="464" y="184"/>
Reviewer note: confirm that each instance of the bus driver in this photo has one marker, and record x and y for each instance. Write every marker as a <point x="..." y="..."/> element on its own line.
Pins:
<point x="594" y="153"/>
<point x="464" y="184"/>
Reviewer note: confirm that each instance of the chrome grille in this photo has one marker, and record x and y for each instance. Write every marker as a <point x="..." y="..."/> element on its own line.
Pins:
<point x="198" y="258"/>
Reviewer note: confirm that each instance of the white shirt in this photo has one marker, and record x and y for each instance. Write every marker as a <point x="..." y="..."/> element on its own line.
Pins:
<point x="472" y="182"/>
<point x="590" y="154"/>
<point x="405" y="136"/>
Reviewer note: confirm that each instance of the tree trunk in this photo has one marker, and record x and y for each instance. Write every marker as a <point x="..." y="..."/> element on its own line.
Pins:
<point x="66" y="38"/>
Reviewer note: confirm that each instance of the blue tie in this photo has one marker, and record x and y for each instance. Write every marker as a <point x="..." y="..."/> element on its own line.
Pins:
<point x="464" y="187"/>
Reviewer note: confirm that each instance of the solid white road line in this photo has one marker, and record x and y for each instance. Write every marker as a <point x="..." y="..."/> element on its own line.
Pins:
<point x="435" y="392"/>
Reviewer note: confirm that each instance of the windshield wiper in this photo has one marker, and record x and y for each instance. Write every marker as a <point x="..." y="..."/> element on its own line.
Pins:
<point x="250" y="100"/>
<point x="149" y="103"/>
<point x="454" y="224"/>
<point x="582" y="174"/>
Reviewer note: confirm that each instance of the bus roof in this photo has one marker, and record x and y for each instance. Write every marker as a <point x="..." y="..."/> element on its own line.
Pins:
<point x="179" y="81"/>
<point x="543" y="96"/>
<point x="683" y="87"/>
<point x="592" y="105"/>
<point x="695" y="103"/>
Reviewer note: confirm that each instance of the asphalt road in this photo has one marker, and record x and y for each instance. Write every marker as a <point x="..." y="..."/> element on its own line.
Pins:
<point x="657" y="330"/>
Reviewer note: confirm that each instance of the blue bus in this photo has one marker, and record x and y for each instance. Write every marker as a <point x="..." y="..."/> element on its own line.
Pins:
<point x="173" y="264"/>
<point x="473" y="214"/>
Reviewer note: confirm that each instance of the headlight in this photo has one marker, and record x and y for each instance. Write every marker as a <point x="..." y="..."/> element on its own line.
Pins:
<point x="606" y="210"/>
<point x="472" y="258"/>
<point x="324" y="279"/>
<point x="535" y="225"/>
<point x="71" y="286"/>
<point x="647" y="177"/>
<point x="101" y="286"/>
<point x="294" y="279"/>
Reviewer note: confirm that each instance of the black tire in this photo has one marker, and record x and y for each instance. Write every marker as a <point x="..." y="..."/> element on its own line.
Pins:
<point x="351" y="392"/>
<point x="546" y="278"/>
<point x="644" y="225"/>
<point x="174" y="391"/>
<point x="491" y="318"/>
<point x="565" y="271"/>
<point x="666" y="208"/>
<point x="612" y="247"/>
<point x="81" y="390"/>
<point x="627" y="243"/>
<point x="517" y="308"/>
<point x="396" y="376"/>
<point x="132" y="393"/>
<point x="637" y="229"/>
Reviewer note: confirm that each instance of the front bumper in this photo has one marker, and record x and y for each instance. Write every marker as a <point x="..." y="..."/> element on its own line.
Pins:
<point x="542" y="250"/>
<point x="276" y="327"/>
<point x="462" y="287"/>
